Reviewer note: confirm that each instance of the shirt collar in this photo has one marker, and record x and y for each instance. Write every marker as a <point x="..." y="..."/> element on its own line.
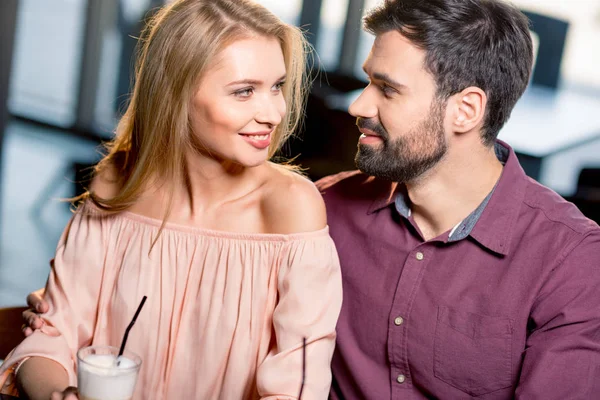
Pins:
<point x="384" y="197"/>
<point x="494" y="229"/>
<point x="492" y="221"/>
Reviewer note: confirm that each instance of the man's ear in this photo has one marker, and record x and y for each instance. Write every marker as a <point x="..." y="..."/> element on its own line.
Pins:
<point x="468" y="109"/>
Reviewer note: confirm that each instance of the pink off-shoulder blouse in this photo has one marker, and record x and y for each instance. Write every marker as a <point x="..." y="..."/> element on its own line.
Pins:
<point x="226" y="312"/>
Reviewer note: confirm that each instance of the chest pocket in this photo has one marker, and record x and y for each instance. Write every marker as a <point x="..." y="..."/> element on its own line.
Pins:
<point x="472" y="352"/>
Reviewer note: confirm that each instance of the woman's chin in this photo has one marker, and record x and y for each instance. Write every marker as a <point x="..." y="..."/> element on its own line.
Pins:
<point x="254" y="163"/>
<point x="255" y="159"/>
<point x="250" y="161"/>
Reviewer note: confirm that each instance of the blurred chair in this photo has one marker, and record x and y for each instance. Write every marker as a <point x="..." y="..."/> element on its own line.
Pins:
<point x="587" y="195"/>
<point x="588" y="183"/>
<point x="552" y="34"/>
<point x="589" y="208"/>
<point x="10" y="329"/>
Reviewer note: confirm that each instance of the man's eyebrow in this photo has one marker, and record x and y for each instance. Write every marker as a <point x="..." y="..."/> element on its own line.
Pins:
<point x="388" y="80"/>
<point x="380" y="76"/>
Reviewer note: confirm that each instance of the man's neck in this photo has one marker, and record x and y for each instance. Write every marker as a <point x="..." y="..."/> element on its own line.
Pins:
<point x="447" y="194"/>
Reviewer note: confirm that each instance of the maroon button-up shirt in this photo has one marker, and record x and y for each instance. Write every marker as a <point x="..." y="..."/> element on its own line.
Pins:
<point x="506" y="305"/>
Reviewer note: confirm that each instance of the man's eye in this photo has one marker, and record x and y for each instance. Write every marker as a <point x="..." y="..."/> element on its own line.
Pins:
<point x="244" y="92"/>
<point x="386" y="90"/>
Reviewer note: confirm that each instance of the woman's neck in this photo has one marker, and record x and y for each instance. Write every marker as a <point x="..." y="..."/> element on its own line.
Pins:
<point x="203" y="187"/>
<point x="208" y="182"/>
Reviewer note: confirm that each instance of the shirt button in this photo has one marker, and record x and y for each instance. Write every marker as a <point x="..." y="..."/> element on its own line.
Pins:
<point x="420" y="256"/>
<point x="401" y="378"/>
<point x="398" y="321"/>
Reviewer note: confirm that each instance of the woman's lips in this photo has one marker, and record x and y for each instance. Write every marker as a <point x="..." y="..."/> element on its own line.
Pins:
<point x="259" y="140"/>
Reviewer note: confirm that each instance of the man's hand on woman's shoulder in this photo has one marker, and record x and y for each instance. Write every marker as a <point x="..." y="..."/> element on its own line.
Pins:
<point x="31" y="318"/>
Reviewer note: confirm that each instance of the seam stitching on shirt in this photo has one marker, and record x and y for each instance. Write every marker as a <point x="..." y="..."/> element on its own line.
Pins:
<point x="543" y="211"/>
<point x="561" y="260"/>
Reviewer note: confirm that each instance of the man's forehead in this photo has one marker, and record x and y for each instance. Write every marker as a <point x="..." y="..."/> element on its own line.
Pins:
<point x="392" y="35"/>
<point x="393" y="43"/>
<point x="391" y="50"/>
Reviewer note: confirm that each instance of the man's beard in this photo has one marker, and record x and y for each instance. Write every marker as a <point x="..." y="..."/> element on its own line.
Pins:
<point x="406" y="158"/>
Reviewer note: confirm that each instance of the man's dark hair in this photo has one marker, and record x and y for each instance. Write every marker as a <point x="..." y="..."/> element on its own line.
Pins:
<point x="482" y="43"/>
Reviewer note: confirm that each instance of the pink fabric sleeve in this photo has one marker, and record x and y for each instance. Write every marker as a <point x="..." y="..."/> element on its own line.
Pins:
<point x="72" y="292"/>
<point x="310" y="298"/>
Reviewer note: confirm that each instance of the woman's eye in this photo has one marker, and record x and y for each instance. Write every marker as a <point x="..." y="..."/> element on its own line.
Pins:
<point x="279" y="86"/>
<point x="244" y="92"/>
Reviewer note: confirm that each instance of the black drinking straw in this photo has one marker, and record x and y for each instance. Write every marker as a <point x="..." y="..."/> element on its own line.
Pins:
<point x="303" y="367"/>
<point x="122" y="349"/>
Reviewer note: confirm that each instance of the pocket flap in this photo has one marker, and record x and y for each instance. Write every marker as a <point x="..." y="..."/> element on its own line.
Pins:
<point x="475" y="325"/>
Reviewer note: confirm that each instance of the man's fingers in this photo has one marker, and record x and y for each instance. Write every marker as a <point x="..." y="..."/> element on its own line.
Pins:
<point x="32" y="320"/>
<point x="32" y="300"/>
<point x="26" y="315"/>
<point x="35" y="322"/>
<point x="35" y="301"/>
<point x="26" y="330"/>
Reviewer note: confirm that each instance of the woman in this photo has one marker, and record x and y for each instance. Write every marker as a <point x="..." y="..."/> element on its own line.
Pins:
<point x="243" y="269"/>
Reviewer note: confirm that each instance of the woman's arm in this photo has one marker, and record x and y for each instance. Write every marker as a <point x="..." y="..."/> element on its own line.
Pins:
<point x="39" y="377"/>
<point x="72" y="293"/>
<point x="310" y="297"/>
<point x="309" y="300"/>
<point x="70" y="303"/>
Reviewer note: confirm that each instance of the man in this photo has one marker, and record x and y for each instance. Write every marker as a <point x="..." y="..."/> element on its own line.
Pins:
<point x="462" y="277"/>
<point x="465" y="278"/>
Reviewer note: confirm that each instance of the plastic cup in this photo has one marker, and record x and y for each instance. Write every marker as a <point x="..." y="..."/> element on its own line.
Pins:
<point x="100" y="378"/>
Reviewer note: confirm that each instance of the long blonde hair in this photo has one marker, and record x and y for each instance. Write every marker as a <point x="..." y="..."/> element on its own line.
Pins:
<point x="175" y="49"/>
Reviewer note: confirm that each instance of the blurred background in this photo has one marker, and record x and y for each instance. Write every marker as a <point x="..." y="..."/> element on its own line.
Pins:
<point x="65" y="72"/>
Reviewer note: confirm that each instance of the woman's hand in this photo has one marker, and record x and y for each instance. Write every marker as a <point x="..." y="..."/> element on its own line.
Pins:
<point x="70" y="393"/>
<point x="31" y="318"/>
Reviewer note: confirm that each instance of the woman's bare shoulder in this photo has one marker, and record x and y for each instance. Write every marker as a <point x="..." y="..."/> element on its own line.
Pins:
<point x="292" y="203"/>
<point x="107" y="182"/>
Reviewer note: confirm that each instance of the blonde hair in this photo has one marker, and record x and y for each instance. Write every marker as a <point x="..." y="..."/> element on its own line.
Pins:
<point x="176" y="47"/>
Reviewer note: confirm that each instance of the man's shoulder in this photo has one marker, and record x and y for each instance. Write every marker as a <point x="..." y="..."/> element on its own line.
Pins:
<point x="339" y="179"/>
<point x="560" y="213"/>
<point x="352" y="186"/>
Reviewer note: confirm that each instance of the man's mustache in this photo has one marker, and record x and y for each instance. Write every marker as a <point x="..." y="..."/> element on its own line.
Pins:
<point x="372" y="125"/>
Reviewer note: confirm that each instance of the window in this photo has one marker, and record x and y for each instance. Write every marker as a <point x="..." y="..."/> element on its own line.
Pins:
<point x="47" y="57"/>
<point x="123" y="25"/>
<point x="364" y="43"/>
<point x="582" y="53"/>
<point x="329" y="42"/>
<point x="287" y="10"/>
